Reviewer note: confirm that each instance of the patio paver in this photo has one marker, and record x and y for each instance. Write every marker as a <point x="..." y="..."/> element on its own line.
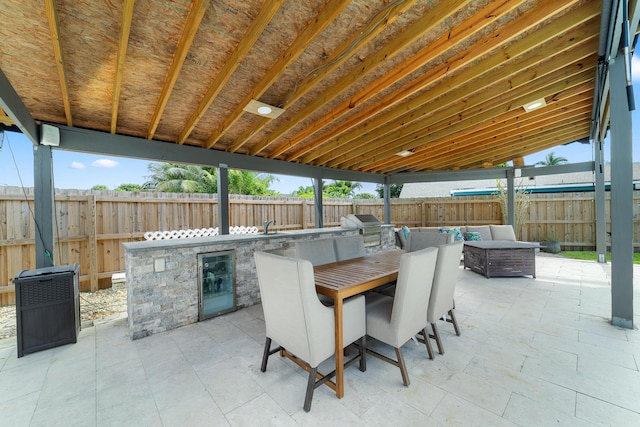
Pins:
<point x="532" y="352"/>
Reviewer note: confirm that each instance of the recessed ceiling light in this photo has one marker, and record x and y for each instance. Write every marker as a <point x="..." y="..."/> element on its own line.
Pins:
<point x="262" y="109"/>
<point x="404" y="153"/>
<point x="534" y="105"/>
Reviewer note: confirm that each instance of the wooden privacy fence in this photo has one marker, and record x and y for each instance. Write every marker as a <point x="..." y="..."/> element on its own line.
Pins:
<point x="92" y="225"/>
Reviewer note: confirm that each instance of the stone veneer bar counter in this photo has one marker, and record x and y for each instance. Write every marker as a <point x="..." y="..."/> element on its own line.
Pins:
<point x="162" y="275"/>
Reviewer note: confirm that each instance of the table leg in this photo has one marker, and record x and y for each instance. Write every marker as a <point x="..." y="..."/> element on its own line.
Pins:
<point x="339" y="348"/>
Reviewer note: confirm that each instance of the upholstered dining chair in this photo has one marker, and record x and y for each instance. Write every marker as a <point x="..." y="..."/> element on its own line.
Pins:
<point x="349" y="247"/>
<point x="297" y="321"/>
<point x="320" y="251"/>
<point x="444" y="282"/>
<point x="395" y="320"/>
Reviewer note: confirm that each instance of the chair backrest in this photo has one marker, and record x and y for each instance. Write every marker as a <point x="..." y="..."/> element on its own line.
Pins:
<point x="320" y="251"/>
<point x="293" y="315"/>
<point x="444" y="280"/>
<point x="427" y="239"/>
<point x="348" y="247"/>
<point x="413" y="289"/>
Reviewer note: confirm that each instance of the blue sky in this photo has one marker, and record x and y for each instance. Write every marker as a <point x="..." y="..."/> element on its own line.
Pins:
<point x="83" y="171"/>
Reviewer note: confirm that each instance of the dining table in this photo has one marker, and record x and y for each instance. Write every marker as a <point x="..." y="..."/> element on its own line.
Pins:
<point x="343" y="279"/>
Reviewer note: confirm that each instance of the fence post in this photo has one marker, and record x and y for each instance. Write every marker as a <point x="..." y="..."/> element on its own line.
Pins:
<point x="93" y="242"/>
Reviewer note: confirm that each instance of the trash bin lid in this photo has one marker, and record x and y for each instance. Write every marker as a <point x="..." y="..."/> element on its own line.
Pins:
<point x="48" y="270"/>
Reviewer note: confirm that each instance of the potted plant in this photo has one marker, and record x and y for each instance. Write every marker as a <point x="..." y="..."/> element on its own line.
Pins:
<point x="550" y="244"/>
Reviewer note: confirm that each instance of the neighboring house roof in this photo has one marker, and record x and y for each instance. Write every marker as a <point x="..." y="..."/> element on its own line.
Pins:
<point x="553" y="183"/>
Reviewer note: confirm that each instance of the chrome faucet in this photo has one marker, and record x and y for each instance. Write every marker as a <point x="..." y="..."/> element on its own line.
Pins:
<point x="266" y="225"/>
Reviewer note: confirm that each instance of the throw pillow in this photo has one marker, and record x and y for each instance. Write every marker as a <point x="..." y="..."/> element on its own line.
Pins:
<point x="472" y="236"/>
<point x="457" y="234"/>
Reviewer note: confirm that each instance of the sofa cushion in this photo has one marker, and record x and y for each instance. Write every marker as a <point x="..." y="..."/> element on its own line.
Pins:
<point x="484" y="231"/>
<point x="502" y="232"/>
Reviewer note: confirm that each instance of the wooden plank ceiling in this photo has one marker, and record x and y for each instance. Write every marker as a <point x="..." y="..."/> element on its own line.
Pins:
<point x="360" y="80"/>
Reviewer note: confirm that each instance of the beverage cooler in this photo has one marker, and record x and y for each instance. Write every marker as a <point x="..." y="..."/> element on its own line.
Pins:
<point x="216" y="283"/>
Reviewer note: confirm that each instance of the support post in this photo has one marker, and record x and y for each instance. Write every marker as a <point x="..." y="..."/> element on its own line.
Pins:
<point x="92" y="230"/>
<point x="601" y="225"/>
<point x="387" y="200"/>
<point x="43" y="205"/>
<point x="317" y="195"/>
<point x="621" y="199"/>
<point x="223" y="199"/>
<point x="511" y="198"/>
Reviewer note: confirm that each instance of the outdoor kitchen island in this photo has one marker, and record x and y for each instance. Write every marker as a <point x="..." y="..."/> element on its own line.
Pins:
<point x="163" y="283"/>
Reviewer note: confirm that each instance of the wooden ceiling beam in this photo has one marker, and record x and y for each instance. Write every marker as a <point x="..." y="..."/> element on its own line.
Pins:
<point x="391" y="12"/>
<point x="433" y="155"/>
<point x="123" y="42"/>
<point x="484" y="17"/>
<point x="566" y="131"/>
<point x="418" y="28"/>
<point x="5" y="119"/>
<point x="269" y="9"/>
<point x="317" y="26"/>
<point x="494" y="131"/>
<point x="518" y="54"/>
<point x="444" y="133"/>
<point x="191" y="26"/>
<point x="54" y="28"/>
<point x="526" y="85"/>
<point x="561" y="88"/>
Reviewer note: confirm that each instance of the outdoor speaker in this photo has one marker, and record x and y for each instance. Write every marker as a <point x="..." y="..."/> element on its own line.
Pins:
<point x="49" y="135"/>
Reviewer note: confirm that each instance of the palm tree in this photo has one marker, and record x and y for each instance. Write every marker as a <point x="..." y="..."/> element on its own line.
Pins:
<point x="394" y="190"/>
<point x="177" y="178"/>
<point x="552" y="160"/>
<point x="250" y="183"/>
<point x="341" y="189"/>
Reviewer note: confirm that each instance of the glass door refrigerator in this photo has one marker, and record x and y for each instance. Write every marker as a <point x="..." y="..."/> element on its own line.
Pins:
<point x="217" y="287"/>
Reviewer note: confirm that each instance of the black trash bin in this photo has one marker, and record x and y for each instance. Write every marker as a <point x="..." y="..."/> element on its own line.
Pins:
<point x="47" y="308"/>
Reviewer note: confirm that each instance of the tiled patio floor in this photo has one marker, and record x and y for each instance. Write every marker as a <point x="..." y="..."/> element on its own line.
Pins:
<point x="533" y="352"/>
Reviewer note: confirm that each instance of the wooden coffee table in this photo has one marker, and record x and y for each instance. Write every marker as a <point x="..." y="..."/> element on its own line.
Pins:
<point x="499" y="258"/>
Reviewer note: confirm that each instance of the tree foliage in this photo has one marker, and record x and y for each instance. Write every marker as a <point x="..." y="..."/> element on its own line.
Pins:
<point x="394" y="190"/>
<point x="178" y="178"/>
<point x="337" y="189"/>
<point x="552" y="160"/>
<point x="129" y="187"/>
<point x="100" y="187"/>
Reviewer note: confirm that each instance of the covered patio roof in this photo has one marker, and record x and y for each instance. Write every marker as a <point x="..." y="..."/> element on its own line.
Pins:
<point x="359" y="81"/>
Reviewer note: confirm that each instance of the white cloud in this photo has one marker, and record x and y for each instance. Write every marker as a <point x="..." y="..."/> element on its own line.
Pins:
<point x="105" y="163"/>
<point x="77" y="165"/>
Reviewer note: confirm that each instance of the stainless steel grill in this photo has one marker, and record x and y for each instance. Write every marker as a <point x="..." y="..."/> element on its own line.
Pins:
<point x="368" y="225"/>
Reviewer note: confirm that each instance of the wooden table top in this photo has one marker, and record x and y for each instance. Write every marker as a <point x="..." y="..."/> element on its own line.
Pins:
<point x="357" y="275"/>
